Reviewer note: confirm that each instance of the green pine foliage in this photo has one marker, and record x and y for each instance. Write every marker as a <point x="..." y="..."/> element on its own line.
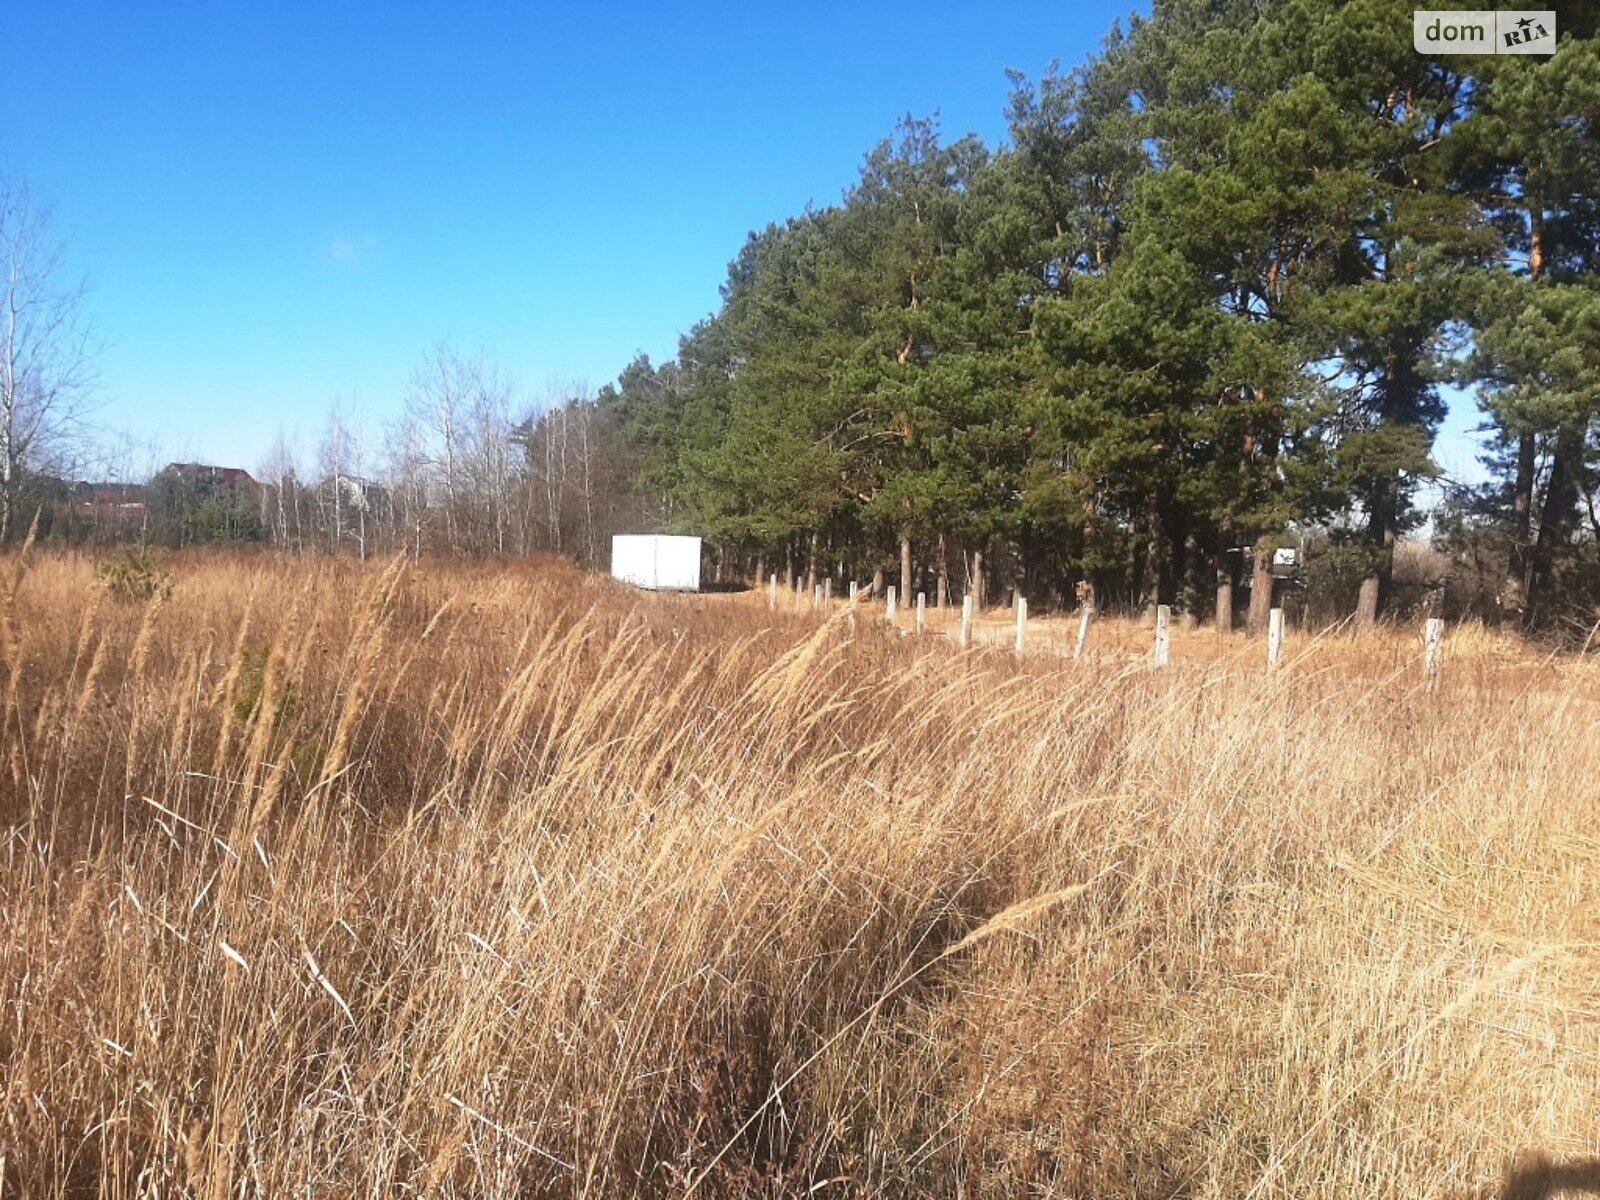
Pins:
<point x="1205" y="294"/>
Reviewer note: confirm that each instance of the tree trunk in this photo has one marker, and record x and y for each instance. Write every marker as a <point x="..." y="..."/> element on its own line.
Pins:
<point x="1260" y="588"/>
<point x="1193" y="565"/>
<point x="1382" y="532"/>
<point x="1155" y="579"/>
<point x="1367" y="599"/>
<point x="977" y="581"/>
<point x="1556" y="516"/>
<point x="941" y="593"/>
<point x="905" y="568"/>
<point x="1227" y="564"/>
<point x="1520" y="563"/>
<point x="1521" y="558"/>
<point x="811" y="565"/>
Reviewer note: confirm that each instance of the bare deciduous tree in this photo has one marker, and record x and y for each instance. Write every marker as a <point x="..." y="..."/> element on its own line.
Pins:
<point x="281" y="498"/>
<point x="572" y="470"/>
<point x="454" y="438"/>
<point x="46" y="350"/>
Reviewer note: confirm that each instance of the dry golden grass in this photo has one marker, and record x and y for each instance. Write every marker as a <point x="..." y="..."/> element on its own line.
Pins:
<point x="503" y="881"/>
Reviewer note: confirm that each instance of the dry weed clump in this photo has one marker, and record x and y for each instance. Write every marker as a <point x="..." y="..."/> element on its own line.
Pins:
<point x="499" y="880"/>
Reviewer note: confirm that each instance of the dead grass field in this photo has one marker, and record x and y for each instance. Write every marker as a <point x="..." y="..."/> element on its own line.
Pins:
<point x="449" y="880"/>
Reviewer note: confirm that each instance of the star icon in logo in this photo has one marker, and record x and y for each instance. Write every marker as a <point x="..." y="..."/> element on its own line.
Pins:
<point x="1525" y="22"/>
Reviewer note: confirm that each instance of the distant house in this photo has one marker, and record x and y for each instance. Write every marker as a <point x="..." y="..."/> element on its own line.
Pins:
<point x="198" y="502"/>
<point x="355" y="493"/>
<point x="109" y="501"/>
<point x="231" y="482"/>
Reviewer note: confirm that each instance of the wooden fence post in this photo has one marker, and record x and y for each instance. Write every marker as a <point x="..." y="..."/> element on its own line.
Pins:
<point x="1163" y="620"/>
<point x="965" y="638"/>
<point x="1432" y="638"/>
<point x="1085" y="618"/>
<point x="772" y="592"/>
<point x="1274" y="638"/>
<point x="922" y="604"/>
<point x="888" y="604"/>
<point x="827" y="591"/>
<point x="1020" y="603"/>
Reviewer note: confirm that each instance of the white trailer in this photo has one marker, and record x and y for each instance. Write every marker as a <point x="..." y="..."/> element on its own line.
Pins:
<point x="656" y="561"/>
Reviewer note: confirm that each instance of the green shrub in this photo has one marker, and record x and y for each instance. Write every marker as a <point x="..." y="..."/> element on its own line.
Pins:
<point x="135" y="577"/>
<point x="252" y="685"/>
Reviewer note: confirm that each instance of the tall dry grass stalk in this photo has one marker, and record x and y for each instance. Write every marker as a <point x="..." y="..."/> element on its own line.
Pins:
<point x="503" y="881"/>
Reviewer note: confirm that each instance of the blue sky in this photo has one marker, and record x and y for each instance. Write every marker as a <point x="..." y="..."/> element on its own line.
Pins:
<point x="281" y="206"/>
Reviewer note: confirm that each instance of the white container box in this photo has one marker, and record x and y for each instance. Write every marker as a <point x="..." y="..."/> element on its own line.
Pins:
<point x="659" y="562"/>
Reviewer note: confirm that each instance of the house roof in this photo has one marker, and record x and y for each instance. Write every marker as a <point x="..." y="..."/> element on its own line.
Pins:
<point x="234" y="476"/>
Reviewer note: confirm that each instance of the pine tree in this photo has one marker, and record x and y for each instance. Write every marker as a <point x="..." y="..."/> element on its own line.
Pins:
<point x="1528" y="153"/>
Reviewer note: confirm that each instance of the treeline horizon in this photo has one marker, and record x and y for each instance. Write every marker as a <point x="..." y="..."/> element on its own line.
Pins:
<point x="1198" y="304"/>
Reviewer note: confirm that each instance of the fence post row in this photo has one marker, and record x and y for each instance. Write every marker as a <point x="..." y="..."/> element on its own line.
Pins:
<point x="1433" y="627"/>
